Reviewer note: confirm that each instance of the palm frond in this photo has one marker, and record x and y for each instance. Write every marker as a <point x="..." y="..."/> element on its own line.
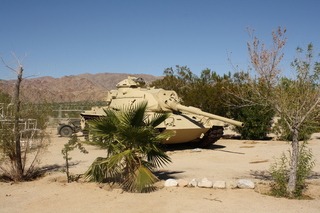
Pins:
<point x="116" y="159"/>
<point x="141" y="180"/>
<point x="135" y="136"/>
<point x="158" y="157"/>
<point x="96" y="172"/>
<point x="103" y="126"/>
<point x="134" y="115"/>
<point x="158" y="118"/>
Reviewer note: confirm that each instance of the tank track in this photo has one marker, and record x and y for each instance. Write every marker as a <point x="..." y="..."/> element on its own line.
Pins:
<point x="213" y="135"/>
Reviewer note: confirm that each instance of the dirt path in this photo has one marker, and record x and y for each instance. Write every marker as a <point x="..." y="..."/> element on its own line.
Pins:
<point x="228" y="160"/>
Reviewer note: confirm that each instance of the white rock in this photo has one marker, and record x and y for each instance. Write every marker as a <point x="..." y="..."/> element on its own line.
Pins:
<point x="193" y="183"/>
<point x="182" y="183"/>
<point x="245" y="184"/>
<point x="231" y="184"/>
<point x="219" y="185"/>
<point x="171" y="182"/>
<point x="205" y="183"/>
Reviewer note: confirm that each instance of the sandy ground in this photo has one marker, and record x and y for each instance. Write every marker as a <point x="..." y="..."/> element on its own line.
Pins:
<point x="227" y="160"/>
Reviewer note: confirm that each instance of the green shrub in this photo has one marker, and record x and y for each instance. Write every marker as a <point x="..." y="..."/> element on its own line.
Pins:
<point x="280" y="172"/>
<point x="305" y="166"/>
<point x="283" y="132"/>
<point x="257" y="121"/>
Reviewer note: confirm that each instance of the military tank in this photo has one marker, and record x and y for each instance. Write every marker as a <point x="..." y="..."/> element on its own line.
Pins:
<point x="189" y="124"/>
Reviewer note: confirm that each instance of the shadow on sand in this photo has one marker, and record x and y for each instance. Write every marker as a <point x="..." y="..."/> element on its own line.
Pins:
<point x="57" y="167"/>
<point x="188" y="146"/>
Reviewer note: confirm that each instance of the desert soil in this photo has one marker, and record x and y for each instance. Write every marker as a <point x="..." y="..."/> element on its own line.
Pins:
<point x="227" y="160"/>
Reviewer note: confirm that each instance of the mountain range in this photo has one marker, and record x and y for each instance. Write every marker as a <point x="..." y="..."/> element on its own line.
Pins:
<point x="73" y="88"/>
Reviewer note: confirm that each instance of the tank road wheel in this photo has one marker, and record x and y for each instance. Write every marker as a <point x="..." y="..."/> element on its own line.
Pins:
<point x="214" y="134"/>
<point x="66" y="131"/>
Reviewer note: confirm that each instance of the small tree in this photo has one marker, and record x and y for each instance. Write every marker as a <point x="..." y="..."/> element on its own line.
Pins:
<point x="68" y="147"/>
<point x="294" y="100"/>
<point x="17" y="140"/>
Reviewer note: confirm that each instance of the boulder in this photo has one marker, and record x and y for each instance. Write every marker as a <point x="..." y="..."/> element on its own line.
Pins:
<point x="171" y="182"/>
<point x="245" y="184"/>
<point x="219" y="185"/>
<point x="193" y="183"/>
<point x="205" y="183"/>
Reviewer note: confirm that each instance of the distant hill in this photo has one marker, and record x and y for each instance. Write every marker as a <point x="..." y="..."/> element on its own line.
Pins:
<point x="73" y="88"/>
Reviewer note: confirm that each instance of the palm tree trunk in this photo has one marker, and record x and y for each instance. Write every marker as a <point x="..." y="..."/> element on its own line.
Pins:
<point x="294" y="163"/>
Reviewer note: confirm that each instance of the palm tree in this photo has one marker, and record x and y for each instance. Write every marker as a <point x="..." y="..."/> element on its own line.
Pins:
<point x="131" y="141"/>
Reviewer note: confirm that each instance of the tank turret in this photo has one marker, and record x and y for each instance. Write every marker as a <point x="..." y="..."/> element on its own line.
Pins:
<point x="189" y="124"/>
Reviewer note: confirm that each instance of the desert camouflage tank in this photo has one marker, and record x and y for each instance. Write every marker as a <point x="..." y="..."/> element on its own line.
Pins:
<point x="189" y="124"/>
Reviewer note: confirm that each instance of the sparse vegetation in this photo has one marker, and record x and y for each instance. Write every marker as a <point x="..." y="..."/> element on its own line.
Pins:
<point x="73" y="143"/>
<point x="280" y="172"/>
<point x="22" y="139"/>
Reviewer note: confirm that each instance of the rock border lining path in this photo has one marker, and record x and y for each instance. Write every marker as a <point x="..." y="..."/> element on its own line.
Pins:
<point x="205" y="183"/>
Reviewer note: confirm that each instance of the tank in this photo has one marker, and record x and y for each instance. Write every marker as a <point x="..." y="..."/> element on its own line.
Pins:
<point x="189" y="124"/>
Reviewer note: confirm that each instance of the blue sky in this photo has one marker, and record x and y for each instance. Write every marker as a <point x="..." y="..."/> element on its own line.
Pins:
<point x="71" y="37"/>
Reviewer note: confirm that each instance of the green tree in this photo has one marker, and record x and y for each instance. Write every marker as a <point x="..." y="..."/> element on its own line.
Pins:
<point x="295" y="102"/>
<point x="132" y="147"/>
<point x="205" y="92"/>
<point x="174" y="79"/>
<point x="257" y="119"/>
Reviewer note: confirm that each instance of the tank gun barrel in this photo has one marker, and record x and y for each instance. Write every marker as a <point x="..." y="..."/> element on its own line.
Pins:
<point x="198" y="111"/>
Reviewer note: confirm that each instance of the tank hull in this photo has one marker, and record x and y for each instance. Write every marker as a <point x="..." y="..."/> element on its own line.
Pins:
<point x="185" y="135"/>
<point x="186" y="127"/>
